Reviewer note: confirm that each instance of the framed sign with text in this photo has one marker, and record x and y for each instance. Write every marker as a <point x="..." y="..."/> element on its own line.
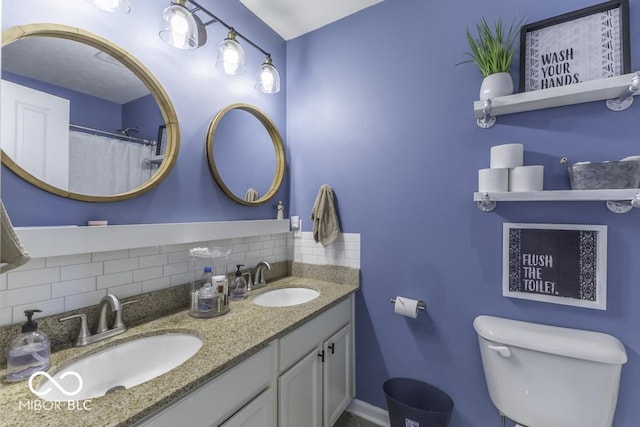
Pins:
<point x="556" y="263"/>
<point x="587" y="44"/>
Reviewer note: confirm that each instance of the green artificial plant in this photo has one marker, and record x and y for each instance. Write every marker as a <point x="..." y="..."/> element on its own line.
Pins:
<point x="493" y="50"/>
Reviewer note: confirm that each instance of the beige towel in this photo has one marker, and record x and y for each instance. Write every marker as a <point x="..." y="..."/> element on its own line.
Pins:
<point x="251" y="195"/>
<point x="12" y="254"/>
<point x="325" y="220"/>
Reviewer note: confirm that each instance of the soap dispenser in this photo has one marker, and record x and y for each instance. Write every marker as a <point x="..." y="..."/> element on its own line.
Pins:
<point x="29" y="352"/>
<point x="239" y="285"/>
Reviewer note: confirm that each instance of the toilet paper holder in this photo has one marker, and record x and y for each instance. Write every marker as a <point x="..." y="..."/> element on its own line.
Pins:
<point x="421" y="305"/>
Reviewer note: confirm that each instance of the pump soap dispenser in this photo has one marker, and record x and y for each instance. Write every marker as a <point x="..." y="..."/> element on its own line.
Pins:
<point x="239" y="286"/>
<point x="29" y="352"/>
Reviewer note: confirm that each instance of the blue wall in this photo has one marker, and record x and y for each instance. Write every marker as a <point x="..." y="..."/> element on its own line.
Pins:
<point x="377" y="109"/>
<point x="198" y="91"/>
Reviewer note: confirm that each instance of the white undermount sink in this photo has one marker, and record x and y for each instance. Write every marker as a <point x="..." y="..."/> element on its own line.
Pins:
<point x="119" y="367"/>
<point x="286" y="297"/>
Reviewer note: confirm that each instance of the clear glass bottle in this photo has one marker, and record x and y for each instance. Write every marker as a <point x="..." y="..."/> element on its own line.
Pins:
<point x="239" y="291"/>
<point x="29" y="352"/>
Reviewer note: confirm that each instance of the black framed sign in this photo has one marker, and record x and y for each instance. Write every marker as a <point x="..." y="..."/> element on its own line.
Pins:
<point x="557" y="263"/>
<point x="587" y="44"/>
<point x="161" y="144"/>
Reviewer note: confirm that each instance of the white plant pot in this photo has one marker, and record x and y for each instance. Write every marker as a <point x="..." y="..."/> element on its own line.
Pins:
<point x="498" y="84"/>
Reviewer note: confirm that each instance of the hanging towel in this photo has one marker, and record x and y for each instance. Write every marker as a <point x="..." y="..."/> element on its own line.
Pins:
<point x="325" y="220"/>
<point x="251" y="195"/>
<point x="12" y="254"/>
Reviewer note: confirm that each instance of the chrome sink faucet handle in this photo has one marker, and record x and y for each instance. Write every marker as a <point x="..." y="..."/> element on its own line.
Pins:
<point x="84" y="333"/>
<point x="259" y="280"/>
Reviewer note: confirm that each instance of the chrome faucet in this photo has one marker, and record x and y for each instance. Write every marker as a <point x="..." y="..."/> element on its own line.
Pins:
<point x="102" y="331"/>
<point x="259" y="280"/>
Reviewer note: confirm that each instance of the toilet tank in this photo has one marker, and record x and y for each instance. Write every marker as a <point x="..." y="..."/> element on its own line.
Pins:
<point x="548" y="376"/>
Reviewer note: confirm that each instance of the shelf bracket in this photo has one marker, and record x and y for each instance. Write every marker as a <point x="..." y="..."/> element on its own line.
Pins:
<point x="486" y="121"/>
<point x="625" y="99"/>
<point x="623" y="206"/>
<point x="486" y="204"/>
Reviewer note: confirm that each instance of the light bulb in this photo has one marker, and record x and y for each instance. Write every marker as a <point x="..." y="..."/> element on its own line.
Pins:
<point x="231" y="56"/>
<point x="119" y="6"/>
<point x="179" y="27"/>
<point x="267" y="77"/>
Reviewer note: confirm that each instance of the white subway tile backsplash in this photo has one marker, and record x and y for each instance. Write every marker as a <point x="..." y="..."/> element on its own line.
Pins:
<point x="181" y="279"/>
<point x="70" y="287"/>
<point x="58" y="284"/>
<point x="6" y="316"/>
<point x="171" y="269"/>
<point x="48" y="307"/>
<point x="116" y="266"/>
<point x="110" y="255"/>
<point x="20" y="279"/>
<point x="153" y="260"/>
<point x="25" y="295"/>
<point x="115" y="279"/>
<point x="152" y="250"/>
<point x="156" y="284"/>
<point x="79" y="271"/>
<point x="126" y="291"/>
<point x="74" y="302"/>
<point x="147" y="274"/>
<point x="57" y="261"/>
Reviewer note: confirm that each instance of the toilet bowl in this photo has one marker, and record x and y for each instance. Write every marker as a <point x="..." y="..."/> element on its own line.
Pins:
<point x="548" y="376"/>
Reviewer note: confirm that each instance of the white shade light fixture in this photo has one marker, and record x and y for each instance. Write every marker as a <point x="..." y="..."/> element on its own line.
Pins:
<point x="231" y="56"/>
<point x="267" y="77"/>
<point x="183" y="29"/>
<point x="179" y="27"/>
<point x="114" y="6"/>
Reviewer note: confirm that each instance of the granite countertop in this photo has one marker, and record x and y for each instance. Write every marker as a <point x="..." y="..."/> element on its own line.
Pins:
<point x="228" y="340"/>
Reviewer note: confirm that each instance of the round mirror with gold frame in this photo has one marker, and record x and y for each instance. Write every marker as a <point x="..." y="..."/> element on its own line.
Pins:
<point x="27" y="43"/>
<point x="246" y="154"/>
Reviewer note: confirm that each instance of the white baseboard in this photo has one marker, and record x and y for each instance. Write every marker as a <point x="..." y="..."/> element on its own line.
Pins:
<point x="369" y="412"/>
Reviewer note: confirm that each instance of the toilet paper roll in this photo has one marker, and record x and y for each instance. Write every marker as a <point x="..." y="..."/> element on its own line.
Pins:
<point x="526" y="178"/>
<point x="493" y="180"/>
<point x="406" y="307"/>
<point x="507" y="156"/>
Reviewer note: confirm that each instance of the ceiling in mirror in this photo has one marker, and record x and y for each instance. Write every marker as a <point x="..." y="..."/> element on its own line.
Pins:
<point x="246" y="154"/>
<point x="81" y="117"/>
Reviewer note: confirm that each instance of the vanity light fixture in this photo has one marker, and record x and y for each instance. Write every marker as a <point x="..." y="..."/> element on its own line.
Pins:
<point x="179" y="27"/>
<point x="231" y="56"/>
<point x="183" y="29"/>
<point x="114" y="6"/>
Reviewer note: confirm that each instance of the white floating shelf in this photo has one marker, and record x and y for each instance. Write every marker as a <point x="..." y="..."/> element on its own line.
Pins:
<point x="559" y="195"/>
<point x="68" y="240"/>
<point x="618" y="201"/>
<point x="593" y="90"/>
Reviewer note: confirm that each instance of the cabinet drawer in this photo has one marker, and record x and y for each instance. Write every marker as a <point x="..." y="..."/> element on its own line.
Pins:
<point x="298" y="343"/>
<point x="222" y="396"/>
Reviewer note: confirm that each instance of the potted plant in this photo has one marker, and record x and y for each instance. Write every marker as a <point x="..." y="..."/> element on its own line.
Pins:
<point x="492" y="51"/>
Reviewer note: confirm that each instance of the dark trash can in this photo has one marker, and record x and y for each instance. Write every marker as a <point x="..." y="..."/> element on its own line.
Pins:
<point x="413" y="403"/>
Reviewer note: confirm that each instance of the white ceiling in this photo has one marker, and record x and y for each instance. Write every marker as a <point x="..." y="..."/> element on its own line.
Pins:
<point x="293" y="18"/>
<point x="72" y="65"/>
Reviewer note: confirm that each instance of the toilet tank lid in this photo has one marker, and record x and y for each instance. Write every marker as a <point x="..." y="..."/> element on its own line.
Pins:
<point x="576" y="343"/>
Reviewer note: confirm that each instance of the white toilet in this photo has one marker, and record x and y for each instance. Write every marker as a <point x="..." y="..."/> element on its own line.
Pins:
<point x="547" y="376"/>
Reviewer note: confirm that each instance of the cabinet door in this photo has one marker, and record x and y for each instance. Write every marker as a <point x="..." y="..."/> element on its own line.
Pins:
<point x="259" y="413"/>
<point x="300" y="393"/>
<point x="338" y="377"/>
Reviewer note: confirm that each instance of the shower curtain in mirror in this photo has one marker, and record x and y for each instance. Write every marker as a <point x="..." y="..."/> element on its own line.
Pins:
<point x="101" y="166"/>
